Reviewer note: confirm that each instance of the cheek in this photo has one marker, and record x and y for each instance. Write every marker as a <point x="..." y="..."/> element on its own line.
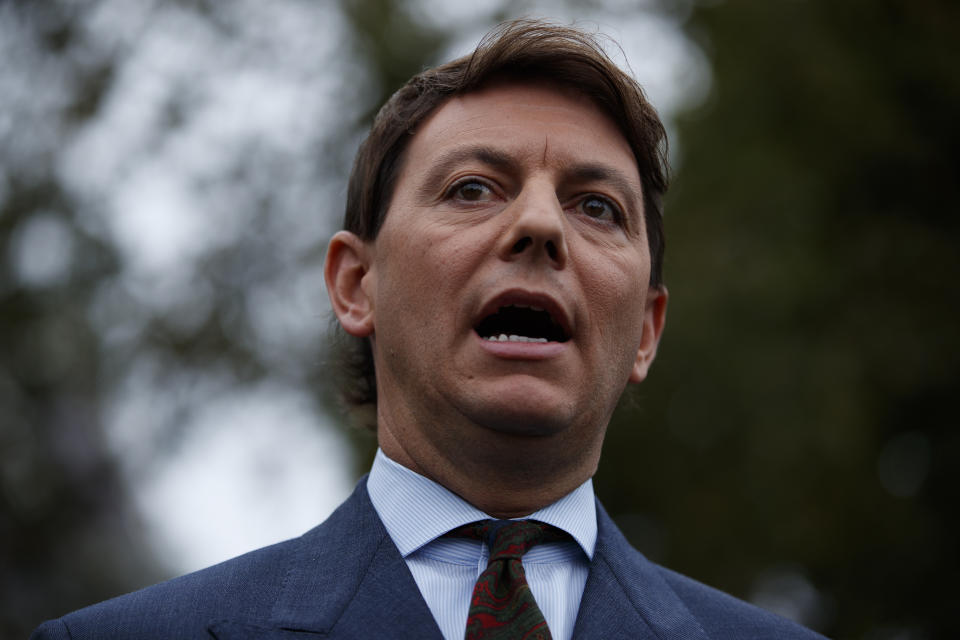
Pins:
<point x="417" y="281"/>
<point x="617" y="298"/>
<point x="615" y="285"/>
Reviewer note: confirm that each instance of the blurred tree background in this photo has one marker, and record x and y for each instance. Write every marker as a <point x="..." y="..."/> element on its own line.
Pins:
<point x="170" y="172"/>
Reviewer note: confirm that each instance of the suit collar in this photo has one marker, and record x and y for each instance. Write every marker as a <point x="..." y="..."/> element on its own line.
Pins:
<point x="345" y="580"/>
<point x="626" y="596"/>
<point x="416" y="510"/>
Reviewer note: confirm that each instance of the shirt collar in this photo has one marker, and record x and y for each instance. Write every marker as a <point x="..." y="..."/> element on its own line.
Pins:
<point x="416" y="510"/>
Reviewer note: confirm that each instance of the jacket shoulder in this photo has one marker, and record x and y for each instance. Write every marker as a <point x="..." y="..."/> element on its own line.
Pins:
<point x="724" y="616"/>
<point x="184" y="606"/>
<point x="671" y="604"/>
<point x="256" y="586"/>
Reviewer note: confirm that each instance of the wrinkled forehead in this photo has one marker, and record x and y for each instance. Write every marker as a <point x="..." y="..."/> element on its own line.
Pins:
<point x="495" y="106"/>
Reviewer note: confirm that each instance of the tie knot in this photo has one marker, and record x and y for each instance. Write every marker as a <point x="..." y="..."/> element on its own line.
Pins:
<point x="509" y="539"/>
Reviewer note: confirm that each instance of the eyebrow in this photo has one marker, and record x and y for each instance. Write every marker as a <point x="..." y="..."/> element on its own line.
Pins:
<point x="448" y="161"/>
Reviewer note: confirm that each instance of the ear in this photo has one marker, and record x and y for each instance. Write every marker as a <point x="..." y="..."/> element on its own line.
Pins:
<point x="653" y="319"/>
<point x="346" y="271"/>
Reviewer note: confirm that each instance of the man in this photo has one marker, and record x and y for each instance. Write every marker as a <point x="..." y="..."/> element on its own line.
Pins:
<point x="500" y="274"/>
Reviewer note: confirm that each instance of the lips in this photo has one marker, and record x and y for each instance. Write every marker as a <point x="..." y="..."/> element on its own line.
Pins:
<point x="522" y="316"/>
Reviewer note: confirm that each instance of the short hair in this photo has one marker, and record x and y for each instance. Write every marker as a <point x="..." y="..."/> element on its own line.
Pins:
<point x="516" y="50"/>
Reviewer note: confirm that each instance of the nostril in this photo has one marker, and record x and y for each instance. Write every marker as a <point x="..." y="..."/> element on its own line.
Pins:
<point x="522" y="244"/>
<point x="552" y="250"/>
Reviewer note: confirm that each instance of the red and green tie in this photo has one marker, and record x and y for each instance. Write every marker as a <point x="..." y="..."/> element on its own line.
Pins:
<point x="502" y="606"/>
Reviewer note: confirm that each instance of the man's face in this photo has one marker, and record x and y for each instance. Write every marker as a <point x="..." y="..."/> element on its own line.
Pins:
<point x="509" y="283"/>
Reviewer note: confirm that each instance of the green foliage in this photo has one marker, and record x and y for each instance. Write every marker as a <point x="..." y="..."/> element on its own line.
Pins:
<point x="800" y="416"/>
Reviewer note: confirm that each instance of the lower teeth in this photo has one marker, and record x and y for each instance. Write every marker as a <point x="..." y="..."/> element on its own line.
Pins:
<point x="505" y="338"/>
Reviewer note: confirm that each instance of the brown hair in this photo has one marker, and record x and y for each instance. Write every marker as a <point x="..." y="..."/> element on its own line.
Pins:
<point x="520" y="49"/>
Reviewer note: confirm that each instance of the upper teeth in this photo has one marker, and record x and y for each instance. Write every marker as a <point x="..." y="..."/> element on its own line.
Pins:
<point x="527" y="306"/>
<point x="512" y="338"/>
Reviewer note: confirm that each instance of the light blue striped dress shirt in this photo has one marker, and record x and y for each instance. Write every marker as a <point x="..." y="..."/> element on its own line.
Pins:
<point x="416" y="511"/>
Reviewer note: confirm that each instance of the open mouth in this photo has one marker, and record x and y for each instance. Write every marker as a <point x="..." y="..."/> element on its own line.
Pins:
<point x="520" y="323"/>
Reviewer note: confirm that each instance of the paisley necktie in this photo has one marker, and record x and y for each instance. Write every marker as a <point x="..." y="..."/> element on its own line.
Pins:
<point x="502" y="606"/>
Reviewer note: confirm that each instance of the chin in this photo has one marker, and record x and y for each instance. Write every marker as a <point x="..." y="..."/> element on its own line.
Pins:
<point x="522" y="407"/>
<point x="525" y="425"/>
<point x="523" y="414"/>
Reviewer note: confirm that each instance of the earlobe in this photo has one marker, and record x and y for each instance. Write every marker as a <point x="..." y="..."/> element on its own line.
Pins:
<point x="653" y="320"/>
<point x="347" y="272"/>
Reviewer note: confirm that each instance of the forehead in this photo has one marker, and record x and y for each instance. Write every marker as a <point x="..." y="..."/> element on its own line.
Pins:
<point x="527" y="120"/>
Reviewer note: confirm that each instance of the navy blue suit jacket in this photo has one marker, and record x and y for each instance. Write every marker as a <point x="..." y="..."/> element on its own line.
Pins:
<point x="345" y="579"/>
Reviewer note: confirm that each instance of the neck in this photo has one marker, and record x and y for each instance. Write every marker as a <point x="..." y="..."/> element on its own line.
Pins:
<point x="508" y="476"/>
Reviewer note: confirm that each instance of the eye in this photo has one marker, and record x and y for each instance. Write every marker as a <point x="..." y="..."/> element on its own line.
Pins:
<point x="600" y="208"/>
<point x="470" y="190"/>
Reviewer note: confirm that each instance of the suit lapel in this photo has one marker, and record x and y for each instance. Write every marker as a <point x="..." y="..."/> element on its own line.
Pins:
<point x="346" y="580"/>
<point x="626" y="597"/>
<point x="387" y="603"/>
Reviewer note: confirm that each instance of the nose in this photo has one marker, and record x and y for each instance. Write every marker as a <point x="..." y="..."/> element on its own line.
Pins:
<point x="536" y="229"/>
